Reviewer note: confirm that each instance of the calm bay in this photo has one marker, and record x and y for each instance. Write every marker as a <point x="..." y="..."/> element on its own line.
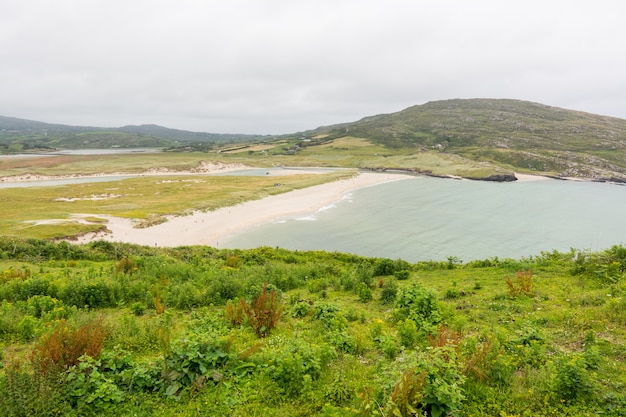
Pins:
<point x="426" y="218"/>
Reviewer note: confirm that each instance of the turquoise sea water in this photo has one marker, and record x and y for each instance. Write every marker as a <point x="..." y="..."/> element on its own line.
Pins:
<point x="430" y="219"/>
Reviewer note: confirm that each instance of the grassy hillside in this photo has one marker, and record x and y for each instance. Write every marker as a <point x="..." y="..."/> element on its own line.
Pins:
<point x="515" y="135"/>
<point x="113" y="329"/>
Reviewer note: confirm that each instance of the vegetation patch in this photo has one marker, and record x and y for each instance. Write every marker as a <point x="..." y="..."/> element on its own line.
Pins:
<point x="111" y="328"/>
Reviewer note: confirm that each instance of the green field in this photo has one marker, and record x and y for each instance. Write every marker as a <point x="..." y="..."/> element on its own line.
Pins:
<point x="114" y="329"/>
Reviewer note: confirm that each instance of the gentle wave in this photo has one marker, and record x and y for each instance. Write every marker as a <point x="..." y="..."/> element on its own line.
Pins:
<point x="431" y="218"/>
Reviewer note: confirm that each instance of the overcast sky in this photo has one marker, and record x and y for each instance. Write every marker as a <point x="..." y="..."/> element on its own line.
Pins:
<point x="282" y="66"/>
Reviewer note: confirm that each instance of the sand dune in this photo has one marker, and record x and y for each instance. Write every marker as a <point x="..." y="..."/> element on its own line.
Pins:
<point x="207" y="228"/>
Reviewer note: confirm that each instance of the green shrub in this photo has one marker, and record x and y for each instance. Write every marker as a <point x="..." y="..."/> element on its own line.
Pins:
<point x="364" y="293"/>
<point x="389" y="291"/>
<point x="39" y="304"/>
<point x="184" y="296"/>
<point x="138" y="308"/>
<point x="606" y="266"/>
<point x="571" y="380"/>
<point x="295" y="365"/>
<point x="193" y="361"/>
<point x="402" y="275"/>
<point x="384" y="267"/>
<point x="388" y="346"/>
<point x="221" y="288"/>
<point x="27" y="328"/>
<point x="98" y="294"/>
<point x="352" y="315"/>
<point x="317" y="285"/>
<point x="418" y="304"/>
<point x="330" y="316"/>
<point x="88" y="388"/>
<point x="300" y="309"/>
<point x="451" y="294"/>
<point x="142" y="378"/>
<point x="408" y="333"/>
<point x="443" y="391"/>
<point x="343" y="342"/>
<point x="365" y="274"/>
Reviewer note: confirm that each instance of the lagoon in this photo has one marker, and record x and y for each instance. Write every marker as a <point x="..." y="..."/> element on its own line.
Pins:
<point x="428" y="218"/>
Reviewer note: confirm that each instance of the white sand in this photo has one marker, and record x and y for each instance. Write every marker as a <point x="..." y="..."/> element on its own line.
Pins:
<point x="207" y="228"/>
<point x="530" y="177"/>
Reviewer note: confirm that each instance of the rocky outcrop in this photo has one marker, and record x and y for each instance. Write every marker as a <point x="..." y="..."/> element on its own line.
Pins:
<point x="495" y="178"/>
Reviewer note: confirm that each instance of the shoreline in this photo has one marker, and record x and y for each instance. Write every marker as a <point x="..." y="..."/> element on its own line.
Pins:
<point x="208" y="228"/>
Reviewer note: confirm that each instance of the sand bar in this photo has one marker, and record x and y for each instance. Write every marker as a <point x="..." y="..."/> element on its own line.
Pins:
<point x="207" y="228"/>
<point x="203" y="168"/>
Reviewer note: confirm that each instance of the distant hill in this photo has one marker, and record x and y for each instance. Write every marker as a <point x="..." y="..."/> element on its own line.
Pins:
<point x="20" y="134"/>
<point x="504" y="135"/>
<point x="518" y="135"/>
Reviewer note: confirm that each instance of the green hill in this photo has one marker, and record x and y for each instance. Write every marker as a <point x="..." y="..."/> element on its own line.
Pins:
<point x="516" y="135"/>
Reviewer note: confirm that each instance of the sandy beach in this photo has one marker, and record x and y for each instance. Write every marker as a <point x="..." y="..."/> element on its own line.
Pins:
<point x="530" y="177"/>
<point x="207" y="228"/>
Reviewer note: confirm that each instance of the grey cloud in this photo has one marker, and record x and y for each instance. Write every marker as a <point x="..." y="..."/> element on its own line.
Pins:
<point x="281" y="66"/>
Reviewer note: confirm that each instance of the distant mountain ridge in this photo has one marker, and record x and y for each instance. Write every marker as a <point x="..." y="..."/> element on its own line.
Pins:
<point x="34" y="133"/>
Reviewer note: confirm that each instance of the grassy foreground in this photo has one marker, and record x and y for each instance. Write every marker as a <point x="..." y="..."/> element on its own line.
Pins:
<point x="115" y="329"/>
